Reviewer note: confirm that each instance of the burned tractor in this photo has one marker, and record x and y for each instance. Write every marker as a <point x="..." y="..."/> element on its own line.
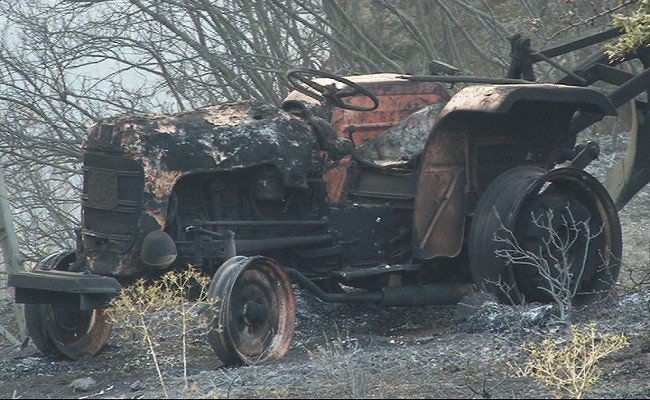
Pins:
<point x="379" y="188"/>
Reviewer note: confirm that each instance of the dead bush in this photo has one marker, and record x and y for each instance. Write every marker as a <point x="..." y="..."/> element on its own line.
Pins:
<point x="552" y="259"/>
<point x="571" y="368"/>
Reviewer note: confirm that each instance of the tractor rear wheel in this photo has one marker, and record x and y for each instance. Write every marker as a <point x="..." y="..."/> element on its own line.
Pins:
<point x="254" y="317"/>
<point x="532" y="227"/>
<point x="64" y="329"/>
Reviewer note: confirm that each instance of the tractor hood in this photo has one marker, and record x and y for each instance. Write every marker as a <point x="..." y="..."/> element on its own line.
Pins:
<point x="218" y="138"/>
<point x="133" y="162"/>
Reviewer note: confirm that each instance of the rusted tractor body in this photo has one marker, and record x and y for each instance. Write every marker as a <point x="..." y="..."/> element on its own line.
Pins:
<point x="381" y="183"/>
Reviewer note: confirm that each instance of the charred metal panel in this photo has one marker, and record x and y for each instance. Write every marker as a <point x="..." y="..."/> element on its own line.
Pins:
<point x="378" y="186"/>
<point x="165" y="148"/>
<point x="111" y="205"/>
<point x="439" y="208"/>
<point x="223" y="137"/>
<point x="372" y="234"/>
<point x="532" y="133"/>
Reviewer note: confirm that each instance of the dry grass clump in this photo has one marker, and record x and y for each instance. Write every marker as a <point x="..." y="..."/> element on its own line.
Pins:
<point x="339" y="358"/>
<point x="183" y="294"/>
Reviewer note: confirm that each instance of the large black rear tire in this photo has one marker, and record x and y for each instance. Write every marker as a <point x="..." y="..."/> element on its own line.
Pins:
<point x="521" y="195"/>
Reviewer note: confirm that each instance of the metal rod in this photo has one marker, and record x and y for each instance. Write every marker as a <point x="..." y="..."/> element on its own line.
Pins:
<point x="621" y="95"/>
<point x="320" y="222"/>
<point x="13" y="260"/>
<point x="425" y="295"/>
<point x="260" y="245"/>
<point x="464" y="79"/>
<point x="630" y="89"/>
<point x="579" y="43"/>
<point x="304" y="282"/>
<point x="567" y="71"/>
<point x="391" y="296"/>
<point x="590" y="152"/>
<point x="610" y="74"/>
<point x="240" y="246"/>
<point x="9" y="241"/>
<point x="584" y="66"/>
<point x="218" y="235"/>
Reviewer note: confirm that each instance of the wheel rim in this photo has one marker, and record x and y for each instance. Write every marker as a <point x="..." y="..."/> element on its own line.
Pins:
<point x="74" y="332"/>
<point x="71" y="319"/>
<point x="67" y="323"/>
<point x="603" y="252"/>
<point x="257" y="312"/>
<point x="254" y="314"/>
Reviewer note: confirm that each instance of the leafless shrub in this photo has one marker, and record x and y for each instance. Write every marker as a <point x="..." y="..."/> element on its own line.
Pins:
<point x="511" y="315"/>
<point x="636" y="279"/>
<point x="552" y="260"/>
<point x="225" y="378"/>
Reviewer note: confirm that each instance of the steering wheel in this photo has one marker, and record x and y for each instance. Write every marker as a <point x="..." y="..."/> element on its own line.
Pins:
<point x="302" y="80"/>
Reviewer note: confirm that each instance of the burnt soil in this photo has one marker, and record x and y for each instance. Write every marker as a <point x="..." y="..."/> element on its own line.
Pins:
<point x="345" y="351"/>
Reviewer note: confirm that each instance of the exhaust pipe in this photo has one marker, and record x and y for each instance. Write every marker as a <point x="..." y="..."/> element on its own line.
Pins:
<point x="416" y="295"/>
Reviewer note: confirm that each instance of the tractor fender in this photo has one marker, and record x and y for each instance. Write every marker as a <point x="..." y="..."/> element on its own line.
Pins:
<point x="500" y="99"/>
<point x="482" y="132"/>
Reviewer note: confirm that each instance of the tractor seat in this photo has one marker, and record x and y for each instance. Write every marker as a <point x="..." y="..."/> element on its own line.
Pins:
<point x="400" y="146"/>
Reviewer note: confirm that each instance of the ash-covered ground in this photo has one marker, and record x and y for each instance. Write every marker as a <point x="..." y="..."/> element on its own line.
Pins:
<point x="367" y="351"/>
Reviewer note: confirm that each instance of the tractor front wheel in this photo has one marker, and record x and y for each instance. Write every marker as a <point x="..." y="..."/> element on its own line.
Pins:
<point x="255" y="312"/>
<point x="64" y="329"/>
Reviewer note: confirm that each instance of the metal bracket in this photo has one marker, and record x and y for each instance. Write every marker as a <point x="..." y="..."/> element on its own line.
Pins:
<point x="87" y="289"/>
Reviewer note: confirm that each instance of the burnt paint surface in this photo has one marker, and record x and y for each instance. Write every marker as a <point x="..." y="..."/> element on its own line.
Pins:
<point x="401" y="145"/>
<point x="220" y="138"/>
<point x="501" y="98"/>
<point x="480" y="132"/>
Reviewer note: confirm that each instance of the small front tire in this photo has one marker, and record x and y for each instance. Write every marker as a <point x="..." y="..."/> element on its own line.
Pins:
<point x="64" y="329"/>
<point x="255" y="315"/>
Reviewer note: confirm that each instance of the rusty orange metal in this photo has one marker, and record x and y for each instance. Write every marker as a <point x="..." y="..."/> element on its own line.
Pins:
<point x="398" y="98"/>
